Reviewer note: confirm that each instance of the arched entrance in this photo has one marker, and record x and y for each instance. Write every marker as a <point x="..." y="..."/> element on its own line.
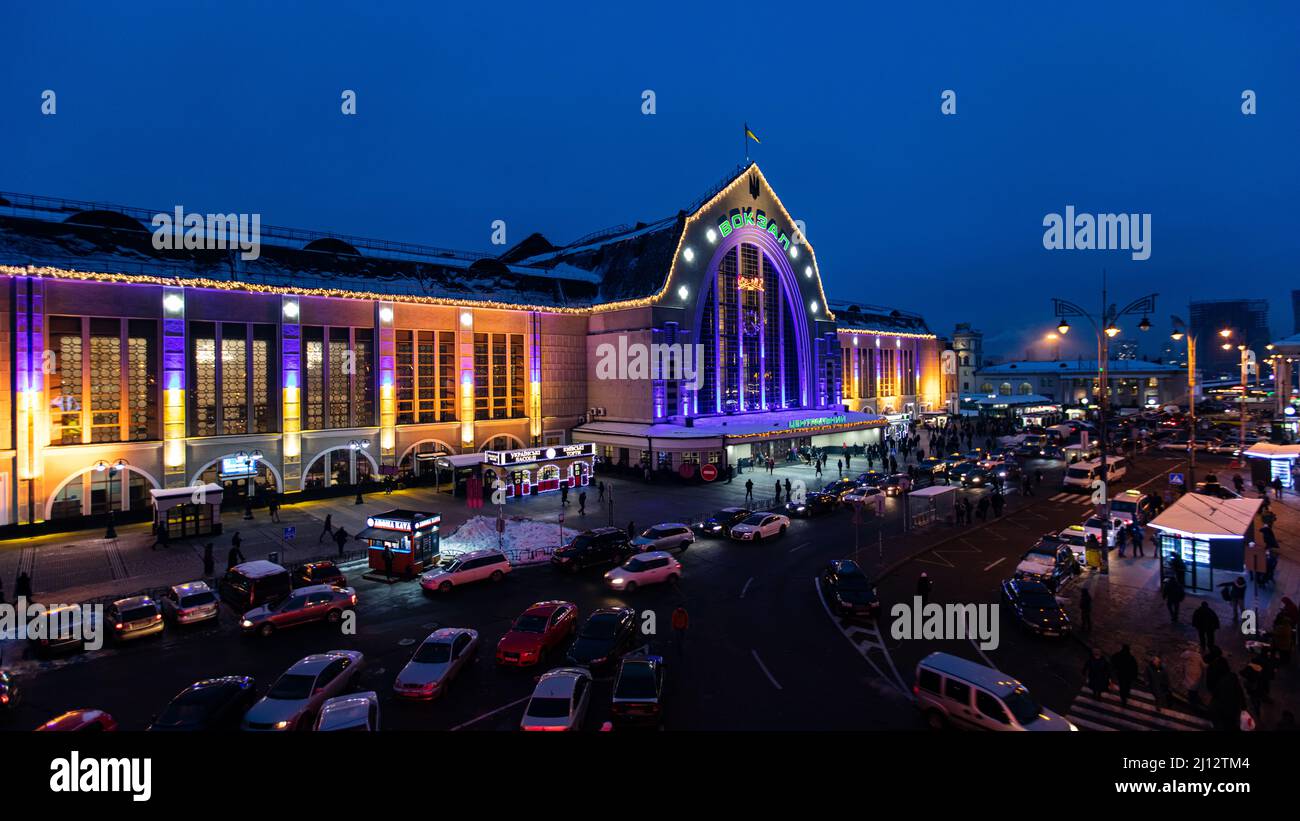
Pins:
<point x="339" y="466"/>
<point x="237" y="488"/>
<point x="99" y="489"/>
<point x="418" y="459"/>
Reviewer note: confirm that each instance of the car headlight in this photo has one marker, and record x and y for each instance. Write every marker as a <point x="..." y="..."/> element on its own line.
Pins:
<point x="281" y="725"/>
<point x="245" y="623"/>
<point x="616" y="582"/>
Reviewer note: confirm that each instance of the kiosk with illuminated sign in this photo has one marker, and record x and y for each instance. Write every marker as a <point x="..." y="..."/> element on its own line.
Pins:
<point x="1270" y="461"/>
<point x="413" y="537"/>
<point x="531" y="471"/>
<point x="1210" y="534"/>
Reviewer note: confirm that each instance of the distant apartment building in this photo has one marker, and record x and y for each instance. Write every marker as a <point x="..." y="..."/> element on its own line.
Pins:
<point x="1248" y="321"/>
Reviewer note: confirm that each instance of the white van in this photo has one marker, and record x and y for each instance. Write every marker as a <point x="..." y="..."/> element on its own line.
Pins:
<point x="1079" y="453"/>
<point x="1082" y="474"/>
<point x="951" y="691"/>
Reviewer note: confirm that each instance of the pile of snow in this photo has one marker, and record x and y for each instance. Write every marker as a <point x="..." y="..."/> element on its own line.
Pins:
<point x="524" y="540"/>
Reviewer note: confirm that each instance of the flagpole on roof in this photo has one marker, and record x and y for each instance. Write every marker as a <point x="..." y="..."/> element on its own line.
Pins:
<point x="744" y="137"/>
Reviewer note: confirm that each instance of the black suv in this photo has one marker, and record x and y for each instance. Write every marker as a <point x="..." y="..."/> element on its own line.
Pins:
<point x="720" y="523"/>
<point x="601" y="547"/>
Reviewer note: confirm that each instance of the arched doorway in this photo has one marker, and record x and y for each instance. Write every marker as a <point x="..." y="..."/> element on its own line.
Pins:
<point x="418" y="459"/>
<point x="339" y="466"/>
<point x="100" y="489"/>
<point x="236" y="488"/>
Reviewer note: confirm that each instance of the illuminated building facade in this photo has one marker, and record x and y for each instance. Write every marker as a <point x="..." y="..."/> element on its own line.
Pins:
<point x="324" y="360"/>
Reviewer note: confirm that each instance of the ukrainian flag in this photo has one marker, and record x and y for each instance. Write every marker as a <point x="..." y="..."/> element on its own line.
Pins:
<point x="749" y="135"/>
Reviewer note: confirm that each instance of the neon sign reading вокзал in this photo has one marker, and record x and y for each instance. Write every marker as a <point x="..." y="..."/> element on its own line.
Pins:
<point x="757" y="219"/>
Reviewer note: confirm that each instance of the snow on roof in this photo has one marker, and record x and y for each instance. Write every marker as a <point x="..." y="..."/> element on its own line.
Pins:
<point x="736" y="425"/>
<point x="1268" y="450"/>
<point x="1200" y="515"/>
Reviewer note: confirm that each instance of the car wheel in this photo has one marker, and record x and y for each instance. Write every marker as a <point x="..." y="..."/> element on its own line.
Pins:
<point x="334" y="616"/>
<point x="672" y="578"/>
<point x="935" y="720"/>
<point x="630" y="587"/>
<point x="758" y="537"/>
<point x="497" y="576"/>
<point x="682" y="547"/>
<point x="266" y="629"/>
<point x="445" y="587"/>
<point x="782" y="530"/>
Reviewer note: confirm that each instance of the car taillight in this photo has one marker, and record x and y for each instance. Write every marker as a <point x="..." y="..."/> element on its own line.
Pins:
<point x="354" y="598"/>
<point x="117" y="626"/>
<point x="157" y="616"/>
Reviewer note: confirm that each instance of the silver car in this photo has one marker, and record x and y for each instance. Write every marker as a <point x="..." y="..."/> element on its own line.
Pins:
<point x="191" y="602"/>
<point x="666" y="536"/>
<point x="438" y="660"/>
<point x="358" y="711"/>
<point x="298" y="695"/>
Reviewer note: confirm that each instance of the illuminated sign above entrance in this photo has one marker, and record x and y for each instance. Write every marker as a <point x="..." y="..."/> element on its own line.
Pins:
<point x="748" y="217"/>
<point x="527" y="455"/>
<point x="817" y="421"/>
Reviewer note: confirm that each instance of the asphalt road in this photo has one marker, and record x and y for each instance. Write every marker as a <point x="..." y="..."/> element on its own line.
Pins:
<point x="763" y="652"/>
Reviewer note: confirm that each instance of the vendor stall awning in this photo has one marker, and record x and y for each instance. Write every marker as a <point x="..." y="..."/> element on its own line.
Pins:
<point x="381" y="535"/>
<point x="168" y="498"/>
<point x="933" y="491"/>
<point x="1208" y="516"/>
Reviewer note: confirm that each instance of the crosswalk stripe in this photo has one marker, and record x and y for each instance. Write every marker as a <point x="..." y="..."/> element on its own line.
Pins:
<point x="1141" y="713"/>
<point x="1088" y="725"/>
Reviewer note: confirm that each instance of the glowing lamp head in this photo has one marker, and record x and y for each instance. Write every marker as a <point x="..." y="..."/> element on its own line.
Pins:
<point x="1176" y="336"/>
<point x="1226" y="333"/>
<point x="711" y="235"/>
<point x="794" y="252"/>
<point x="1144" y="325"/>
<point x="1063" y="328"/>
<point x="385" y="315"/>
<point x="683" y="292"/>
<point x="172" y="303"/>
<point x="813" y="307"/>
<point x="291" y="310"/>
<point x="1112" y="331"/>
<point x="688" y="254"/>
<point x="466" y="319"/>
<point x="807" y="271"/>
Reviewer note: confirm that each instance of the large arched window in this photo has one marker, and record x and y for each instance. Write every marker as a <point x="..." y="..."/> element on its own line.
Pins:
<point x="1025" y="389"/>
<point x="750" y="336"/>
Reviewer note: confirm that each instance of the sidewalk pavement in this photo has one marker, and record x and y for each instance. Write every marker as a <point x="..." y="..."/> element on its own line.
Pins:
<point x="1127" y="608"/>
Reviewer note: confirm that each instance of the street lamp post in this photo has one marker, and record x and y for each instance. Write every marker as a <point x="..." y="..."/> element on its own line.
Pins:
<point x="1191" y="395"/>
<point x="1247" y="361"/>
<point x="1106" y="329"/>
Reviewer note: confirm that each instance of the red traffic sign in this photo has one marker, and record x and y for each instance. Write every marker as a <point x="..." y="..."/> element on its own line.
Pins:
<point x="687" y="470"/>
<point x="708" y="472"/>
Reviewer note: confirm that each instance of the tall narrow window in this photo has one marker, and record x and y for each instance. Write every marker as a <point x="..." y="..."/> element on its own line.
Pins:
<point x="426" y="376"/>
<point x="105" y="380"/>
<point x="142" y="378"/>
<point x="405" y="377"/>
<point x="363" y="386"/>
<point x="482" y="387"/>
<point x="314" y="348"/>
<point x="516" y="375"/>
<point x="234" y="378"/>
<point x="446" y="376"/>
<point x="203" y="343"/>
<point x="263" y="392"/>
<point x="340" y="384"/>
<point x="65" y="383"/>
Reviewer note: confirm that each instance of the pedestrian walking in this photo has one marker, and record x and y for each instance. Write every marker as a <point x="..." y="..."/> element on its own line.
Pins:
<point x="960" y="512"/>
<point x="778" y="491"/>
<point x="1121" y="541"/>
<point x="388" y="562"/>
<point x="839" y="466"/>
<point x="1085" y="611"/>
<point x="208" y="563"/>
<point x="983" y="509"/>
<point x="582" y="503"/>
<point x="998" y="501"/>
<point x="749" y="490"/>
<point x="924" y="585"/>
<point x="818" y="469"/>
<point x="970" y="519"/>
<point x="631" y="529"/>
<point x="1158" y="681"/>
<point x="1277" y="487"/>
<point x="1135" y="531"/>
<point x="23" y="586"/>
<point x="1253" y="679"/>
<point x="788" y="497"/>
<point x="1174" y="593"/>
<point x="1227" y="702"/>
<point x="328" y="529"/>
<point x="1026" y="487"/>
<point x="233" y="557"/>
<point x="1193" y="676"/>
<point x="681" y="622"/>
<point x="341" y="539"/>
<point x="273" y="506"/>
<point x="1096" y="673"/>
<point x="1239" y="484"/>
<point x="1206" y="622"/>
<point x="1125" y="669"/>
<point x="164" y="538"/>
<point x="600" y="487"/>
<point x="1235" y="593"/>
<point x="564" y="495"/>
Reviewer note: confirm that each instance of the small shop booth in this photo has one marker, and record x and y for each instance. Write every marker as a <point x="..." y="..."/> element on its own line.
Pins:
<point x="1210" y="534"/>
<point x="1269" y="462"/>
<point x="188" y="511"/>
<point x="412" y="536"/>
<point x="531" y="471"/>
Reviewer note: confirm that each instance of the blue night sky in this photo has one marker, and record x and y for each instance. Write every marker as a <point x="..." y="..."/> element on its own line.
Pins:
<point x="530" y="113"/>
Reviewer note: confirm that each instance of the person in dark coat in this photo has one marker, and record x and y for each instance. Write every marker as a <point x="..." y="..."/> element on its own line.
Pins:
<point x="631" y="530"/>
<point x="233" y="557"/>
<point x="341" y="539"/>
<point x="1096" y="673"/>
<point x="328" y="529"/>
<point x="1125" y="670"/>
<point x="388" y="561"/>
<point x="1227" y="701"/>
<point x="1158" y="681"/>
<point x="208" y="561"/>
<point x="924" y="585"/>
<point x="998" y="502"/>
<point x="1174" y="595"/>
<point x="1085" y="610"/>
<point x="23" y="586"/>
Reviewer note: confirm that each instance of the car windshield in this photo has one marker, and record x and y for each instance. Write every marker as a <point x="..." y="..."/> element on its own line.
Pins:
<point x="136" y="613"/>
<point x="181" y="713"/>
<point x="637" y="680"/>
<point x="433" y="652"/>
<point x="1022" y="706"/>
<point x="756" y="519"/>
<point x="449" y="565"/>
<point x="600" y="627"/>
<point x="529" y="623"/>
<point x="1038" y="598"/>
<point x="853" y="580"/>
<point x="197" y="599"/>
<point x="582" y="542"/>
<point x="548" y="707"/>
<point x="634" y="565"/>
<point x="292" y="687"/>
<point x="1078" y="473"/>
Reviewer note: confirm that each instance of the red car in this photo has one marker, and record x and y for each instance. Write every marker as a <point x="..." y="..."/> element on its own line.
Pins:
<point x="80" y="721"/>
<point x="538" y="630"/>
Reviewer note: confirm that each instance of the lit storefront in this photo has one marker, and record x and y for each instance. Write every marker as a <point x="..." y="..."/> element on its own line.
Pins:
<point x="532" y="471"/>
<point x="1269" y="462"/>
<point x="328" y="362"/>
<point x="186" y="512"/>
<point x="1209" y="534"/>
<point x="411" y="537"/>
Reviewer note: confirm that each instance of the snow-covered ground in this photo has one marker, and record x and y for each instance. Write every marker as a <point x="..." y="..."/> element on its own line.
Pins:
<point x="524" y="540"/>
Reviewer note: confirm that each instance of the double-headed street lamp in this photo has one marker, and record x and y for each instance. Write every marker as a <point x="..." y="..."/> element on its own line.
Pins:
<point x="1247" y="362"/>
<point x="1107" y="328"/>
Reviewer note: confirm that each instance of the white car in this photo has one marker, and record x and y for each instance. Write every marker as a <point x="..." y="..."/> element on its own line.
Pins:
<point x="1092" y="527"/>
<point x="298" y="694"/>
<point x="666" y="536"/>
<point x="861" y="494"/>
<point x="438" y="660"/>
<point x="559" y="701"/>
<point x="190" y="602"/>
<point x="760" y="526"/>
<point x="359" y="711"/>
<point x="480" y="565"/>
<point x="644" y="568"/>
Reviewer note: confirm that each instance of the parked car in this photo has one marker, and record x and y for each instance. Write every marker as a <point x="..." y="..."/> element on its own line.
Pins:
<point x="358" y="711"/>
<point x="848" y="590"/>
<point x="861" y="494"/>
<point x="760" y="526"/>
<point x="297" y="695"/>
<point x="210" y="704"/>
<point x="80" y="721"/>
<point x="951" y="691"/>
<point x="638" y="692"/>
<point x="559" y="701"/>
<point x="646" y="568"/>
<point x="134" y="618"/>
<point x="306" y="605"/>
<point x="841" y="488"/>
<point x="602" y="640"/>
<point x="190" y="603"/>
<point x="720" y="523"/>
<point x="1035" y="607"/>
<point x="594" y="548"/>
<point x="254" y="583"/>
<point x="538" y="630"/>
<point x="896" y="485"/>
<point x="475" y="566"/>
<point x="667" y="536"/>
<point x="67" y="627"/>
<point x="322" y="572"/>
<point x="814" y="504"/>
<point x="1048" y="561"/>
<point x="436" y="662"/>
<point x="10" y="693"/>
